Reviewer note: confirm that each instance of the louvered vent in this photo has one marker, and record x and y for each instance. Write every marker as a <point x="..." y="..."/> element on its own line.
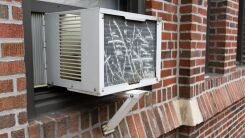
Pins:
<point x="70" y="47"/>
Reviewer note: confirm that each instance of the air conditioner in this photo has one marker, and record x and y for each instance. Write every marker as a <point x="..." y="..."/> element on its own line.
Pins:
<point x="100" y="51"/>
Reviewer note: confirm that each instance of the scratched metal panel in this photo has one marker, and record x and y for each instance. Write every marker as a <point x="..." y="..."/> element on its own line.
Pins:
<point x="130" y="50"/>
<point x="38" y="50"/>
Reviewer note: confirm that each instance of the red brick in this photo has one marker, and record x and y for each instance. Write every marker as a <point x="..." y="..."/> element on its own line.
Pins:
<point x="166" y="125"/>
<point x="11" y="31"/>
<point x="34" y="130"/>
<point x="13" y="102"/>
<point x="94" y="117"/>
<point x="123" y="129"/>
<point x="7" y="121"/>
<point x="154" y="5"/>
<point x="159" y="120"/>
<point x="169" y="116"/>
<point x="18" y="134"/>
<point x="4" y="12"/>
<point x="131" y="126"/>
<point x="202" y="108"/>
<point x="97" y="133"/>
<point x="5" y="135"/>
<point x="6" y="86"/>
<point x="22" y="117"/>
<point x="86" y="134"/>
<point x="207" y="103"/>
<point x="73" y="121"/>
<point x="61" y="124"/>
<point x="17" y="13"/>
<point x="48" y="127"/>
<point x="139" y="126"/>
<point x="153" y="123"/>
<point x="21" y="84"/>
<point x="85" y="121"/>
<point x="146" y="124"/>
<point x="103" y="114"/>
<point x="12" y="67"/>
<point x="169" y="64"/>
<point x="169" y="81"/>
<point x="12" y="49"/>
<point x="174" y="114"/>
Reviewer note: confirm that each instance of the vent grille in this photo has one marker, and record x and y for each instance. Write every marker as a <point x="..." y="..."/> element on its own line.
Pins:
<point x="70" y="46"/>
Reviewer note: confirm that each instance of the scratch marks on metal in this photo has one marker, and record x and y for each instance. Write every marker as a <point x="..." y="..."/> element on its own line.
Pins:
<point x="130" y="50"/>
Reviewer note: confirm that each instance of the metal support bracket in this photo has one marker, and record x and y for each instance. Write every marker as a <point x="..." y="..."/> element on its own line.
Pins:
<point x="133" y="97"/>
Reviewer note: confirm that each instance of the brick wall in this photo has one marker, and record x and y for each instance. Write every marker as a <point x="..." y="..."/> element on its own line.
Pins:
<point x="192" y="46"/>
<point x="220" y="98"/>
<point x="223" y="23"/>
<point x="13" y="119"/>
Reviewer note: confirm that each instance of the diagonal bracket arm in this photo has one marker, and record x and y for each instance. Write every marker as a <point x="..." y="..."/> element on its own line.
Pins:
<point x="133" y="97"/>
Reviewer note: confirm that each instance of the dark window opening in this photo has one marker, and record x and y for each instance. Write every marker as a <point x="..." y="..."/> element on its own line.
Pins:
<point x="241" y="31"/>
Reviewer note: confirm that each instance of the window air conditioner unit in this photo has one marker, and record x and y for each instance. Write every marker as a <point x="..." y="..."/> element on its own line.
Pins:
<point x="101" y="51"/>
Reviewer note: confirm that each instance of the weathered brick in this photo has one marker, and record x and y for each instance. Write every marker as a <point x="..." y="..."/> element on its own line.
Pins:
<point x="103" y="114"/>
<point x="73" y="121"/>
<point x="12" y="49"/>
<point x="123" y="128"/>
<point x="13" y="102"/>
<point x="12" y="67"/>
<point x="11" y="31"/>
<point x="48" y="127"/>
<point x="34" y="130"/>
<point x="146" y="124"/>
<point x="85" y="122"/>
<point x="21" y="84"/>
<point x="94" y="117"/>
<point x="153" y="123"/>
<point x="61" y="123"/>
<point x="97" y="133"/>
<point x="139" y="126"/>
<point x="6" y="86"/>
<point x="22" y="117"/>
<point x="17" y="13"/>
<point x="4" y="12"/>
<point x="18" y="134"/>
<point x="5" y="135"/>
<point x="7" y="121"/>
<point x="131" y="126"/>
<point x="86" y="134"/>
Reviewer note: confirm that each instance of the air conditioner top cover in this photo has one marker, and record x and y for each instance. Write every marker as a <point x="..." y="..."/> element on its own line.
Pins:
<point x="101" y="51"/>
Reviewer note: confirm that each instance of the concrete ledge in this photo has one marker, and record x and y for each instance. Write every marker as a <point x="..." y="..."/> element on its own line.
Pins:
<point x="188" y="111"/>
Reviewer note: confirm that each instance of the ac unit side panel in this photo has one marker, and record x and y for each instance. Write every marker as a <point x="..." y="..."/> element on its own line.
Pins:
<point x="91" y="55"/>
<point x="64" y="49"/>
